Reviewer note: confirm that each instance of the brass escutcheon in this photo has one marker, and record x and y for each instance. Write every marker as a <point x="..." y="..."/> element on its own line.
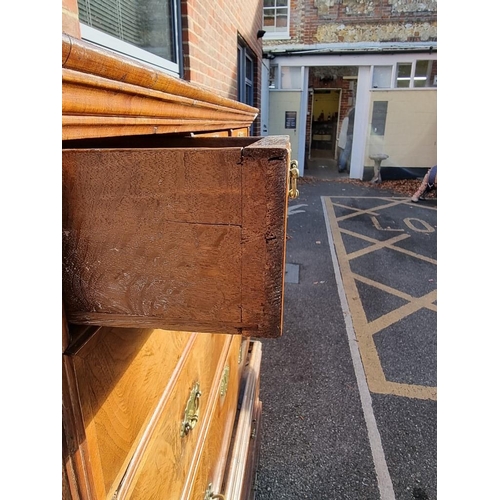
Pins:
<point x="293" y="192"/>
<point x="192" y="410"/>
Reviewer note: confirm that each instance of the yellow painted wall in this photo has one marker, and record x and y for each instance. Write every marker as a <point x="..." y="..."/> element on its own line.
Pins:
<point x="326" y="103"/>
<point x="410" y="137"/>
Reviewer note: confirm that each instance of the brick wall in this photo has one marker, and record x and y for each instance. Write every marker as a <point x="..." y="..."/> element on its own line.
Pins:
<point x="349" y="21"/>
<point x="70" y="24"/>
<point x="210" y="43"/>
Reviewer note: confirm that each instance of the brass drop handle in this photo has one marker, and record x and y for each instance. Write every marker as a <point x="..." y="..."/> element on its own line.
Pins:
<point x="210" y="495"/>
<point x="191" y="413"/>
<point x="293" y="192"/>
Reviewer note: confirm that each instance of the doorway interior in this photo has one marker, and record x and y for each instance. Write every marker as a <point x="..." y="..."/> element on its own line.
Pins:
<point x="324" y="123"/>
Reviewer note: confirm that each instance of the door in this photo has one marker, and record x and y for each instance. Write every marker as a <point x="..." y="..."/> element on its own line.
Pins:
<point x="284" y="116"/>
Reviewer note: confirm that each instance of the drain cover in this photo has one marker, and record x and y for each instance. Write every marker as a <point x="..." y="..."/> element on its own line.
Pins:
<point x="291" y="273"/>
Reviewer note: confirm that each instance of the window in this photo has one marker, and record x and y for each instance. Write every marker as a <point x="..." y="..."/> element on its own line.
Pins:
<point x="143" y="29"/>
<point x="276" y="19"/>
<point x="418" y="74"/>
<point x="246" y="65"/>
<point x="246" y="68"/>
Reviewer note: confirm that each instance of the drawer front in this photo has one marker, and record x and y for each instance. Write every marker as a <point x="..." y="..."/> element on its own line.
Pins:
<point x="180" y="234"/>
<point x="121" y="376"/>
<point x="166" y="460"/>
<point x="216" y="446"/>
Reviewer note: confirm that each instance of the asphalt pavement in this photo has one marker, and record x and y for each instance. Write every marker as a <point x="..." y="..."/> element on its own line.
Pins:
<point x="349" y="391"/>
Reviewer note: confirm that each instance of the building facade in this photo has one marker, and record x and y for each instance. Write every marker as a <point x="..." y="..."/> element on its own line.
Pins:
<point x="324" y="57"/>
<point x="213" y="45"/>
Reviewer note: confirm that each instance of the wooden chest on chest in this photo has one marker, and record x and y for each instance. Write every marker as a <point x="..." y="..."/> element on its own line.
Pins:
<point x="173" y="267"/>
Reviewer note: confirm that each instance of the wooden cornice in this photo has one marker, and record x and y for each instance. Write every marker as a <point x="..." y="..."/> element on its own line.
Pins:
<point x="105" y="94"/>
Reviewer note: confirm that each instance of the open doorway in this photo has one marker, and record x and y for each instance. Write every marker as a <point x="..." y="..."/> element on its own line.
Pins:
<point x="324" y="123"/>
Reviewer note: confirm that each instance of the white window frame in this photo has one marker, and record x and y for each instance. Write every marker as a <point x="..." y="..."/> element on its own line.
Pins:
<point x="394" y="77"/>
<point x="108" y="41"/>
<point x="277" y="35"/>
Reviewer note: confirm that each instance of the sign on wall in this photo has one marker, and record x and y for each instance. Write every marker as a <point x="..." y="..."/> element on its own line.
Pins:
<point x="290" y="119"/>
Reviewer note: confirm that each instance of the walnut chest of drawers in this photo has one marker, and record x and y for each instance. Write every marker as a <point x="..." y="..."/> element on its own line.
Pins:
<point x="173" y="234"/>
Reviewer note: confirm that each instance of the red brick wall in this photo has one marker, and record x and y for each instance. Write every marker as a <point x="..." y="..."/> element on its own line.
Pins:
<point x="210" y="41"/>
<point x="70" y="24"/>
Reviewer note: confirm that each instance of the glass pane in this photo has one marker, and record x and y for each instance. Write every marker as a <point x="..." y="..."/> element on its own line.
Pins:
<point x="269" y="3"/>
<point x="269" y="16"/>
<point x="146" y="24"/>
<point x="282" y="3"/>
<point x="291" y="77"/>
<point x="382" y="77"/>
<point x="433" y="76"/>
<point x="421" y="68"/>
<point x="403" y="75"/>
<point x="273" y="73"/>
<point x="249" y="95"/>
<point x="249" y="69"/>
<point x="281" y="18"/>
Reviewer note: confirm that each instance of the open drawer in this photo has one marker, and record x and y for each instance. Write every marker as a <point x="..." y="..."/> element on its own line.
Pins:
<point x="178" y="233"/>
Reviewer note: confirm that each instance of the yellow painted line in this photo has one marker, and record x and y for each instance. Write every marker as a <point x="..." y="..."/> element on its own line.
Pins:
<point x="377" y="246"/>
<point x="364" y="330"/>
<point x="354" y="209"/>
<point x="392" y="247"/>
<point x="398" y="314"/>
<point x="388" y="289"/>
<point x="421" y="205"/>
<point x="369" y="210"/>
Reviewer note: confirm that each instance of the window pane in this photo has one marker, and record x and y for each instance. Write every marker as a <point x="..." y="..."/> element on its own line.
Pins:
<point x="403" y="75"/>
<point x="433" y="75"/>
<point x="249" y="69"/>
<point x="273" y="74"/>
<point x="291" y="78"/>
<point x="269" y="3"/>
<point x="281" y="18"/>
<point x="382" y="77"/>
<point x="146" y="24"/>
<point x="421" y="68"/>
<point x="269" y="16"/>
<point x="423" y="72"/>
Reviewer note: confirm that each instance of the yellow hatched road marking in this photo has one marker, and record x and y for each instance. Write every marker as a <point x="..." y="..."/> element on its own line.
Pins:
<point x="365" y="330"/>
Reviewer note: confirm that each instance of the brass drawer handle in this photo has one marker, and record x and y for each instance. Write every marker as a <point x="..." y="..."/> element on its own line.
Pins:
<point x="224" y="383"/>
<point x="191" y="413"/>
<point x="293" y="192"/>
<point x="209" y="494"/>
